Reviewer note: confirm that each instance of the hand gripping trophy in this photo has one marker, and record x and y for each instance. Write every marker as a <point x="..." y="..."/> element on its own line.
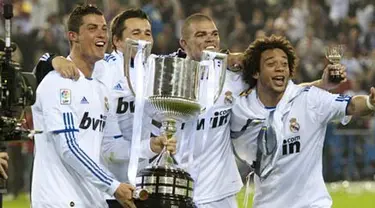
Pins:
<point x="170" y="90"/>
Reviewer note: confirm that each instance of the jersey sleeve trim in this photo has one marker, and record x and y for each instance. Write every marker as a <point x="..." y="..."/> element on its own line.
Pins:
<point x="347" y="105"/>
<point x="117" y="136"/>
<point x="80" y="154"/>
<point x="65" y="130"/>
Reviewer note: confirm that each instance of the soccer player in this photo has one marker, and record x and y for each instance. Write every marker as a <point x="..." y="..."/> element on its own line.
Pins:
<point x="116" y="144"/>
<point x="283" y="126"/>
<point x="72" y="116"/>
<point x="217" y="162"/>
<point x="218" y="178"/>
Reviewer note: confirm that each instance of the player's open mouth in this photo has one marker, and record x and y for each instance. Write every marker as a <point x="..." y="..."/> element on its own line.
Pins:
<point x="211" y="47"/>
<point x="100" y="44"/>
<point x="279" y="80"/>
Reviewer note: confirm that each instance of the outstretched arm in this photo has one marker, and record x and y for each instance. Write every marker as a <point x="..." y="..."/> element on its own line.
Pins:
<point x="362" y="105"/>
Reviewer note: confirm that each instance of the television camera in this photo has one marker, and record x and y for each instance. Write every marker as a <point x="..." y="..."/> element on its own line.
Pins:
<point x="17" y="89"/>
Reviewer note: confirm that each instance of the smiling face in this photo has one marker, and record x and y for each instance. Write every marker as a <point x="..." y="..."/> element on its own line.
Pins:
<point x="136" y="29"/>
<point x="91" y="40"/>
<point x="200" y="35"/>
<point x="274" y="71"/>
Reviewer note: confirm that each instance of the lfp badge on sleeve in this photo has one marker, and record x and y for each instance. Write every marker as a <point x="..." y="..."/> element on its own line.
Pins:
<point x="65" y="96"/>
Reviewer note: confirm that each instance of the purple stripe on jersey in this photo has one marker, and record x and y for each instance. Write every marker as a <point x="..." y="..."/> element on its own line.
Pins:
<point x="75" y="149"/>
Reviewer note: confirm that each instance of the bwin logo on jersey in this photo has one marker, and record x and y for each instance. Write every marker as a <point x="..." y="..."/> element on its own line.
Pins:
<point x="291" y="145"/>
<point x="123" y="106"/>
<point x="94" y="123"/>
<point x="219" y="119"/>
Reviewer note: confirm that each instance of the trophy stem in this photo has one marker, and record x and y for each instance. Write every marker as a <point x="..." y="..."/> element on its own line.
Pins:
<point x="168" y="127"/>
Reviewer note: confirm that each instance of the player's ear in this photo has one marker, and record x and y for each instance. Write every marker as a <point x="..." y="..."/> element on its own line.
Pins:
<point x="73" y="36"/>
<point x="183" y="44"/>
<point x="256" y="75"/>
<point x="116" y="41"/>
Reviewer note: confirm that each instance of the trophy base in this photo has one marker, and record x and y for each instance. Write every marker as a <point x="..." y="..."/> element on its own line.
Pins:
<point x="163" y="203"/>
<point x="167" y="187"/>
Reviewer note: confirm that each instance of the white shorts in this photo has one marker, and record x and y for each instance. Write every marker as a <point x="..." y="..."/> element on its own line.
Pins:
<point x="227" y="202"/>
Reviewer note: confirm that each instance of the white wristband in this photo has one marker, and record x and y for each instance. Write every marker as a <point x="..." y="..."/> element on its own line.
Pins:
<point x="369" y="105"/>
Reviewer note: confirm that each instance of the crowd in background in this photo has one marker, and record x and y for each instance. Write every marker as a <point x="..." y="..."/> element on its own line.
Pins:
<point x="311" y="25"/>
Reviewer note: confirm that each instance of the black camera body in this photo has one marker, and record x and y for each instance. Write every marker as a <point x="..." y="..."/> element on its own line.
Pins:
<point x="17" y="89"/>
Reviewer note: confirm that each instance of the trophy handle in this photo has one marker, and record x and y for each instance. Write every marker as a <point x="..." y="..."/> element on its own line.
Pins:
<point x="215" y="56"/>
<point x="131" y="48"/>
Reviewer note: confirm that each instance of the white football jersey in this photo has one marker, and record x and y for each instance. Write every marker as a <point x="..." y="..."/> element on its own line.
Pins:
<point x="218" y="175"/>
<point x="117" y="138"/>
<point x="296" y="180"/>
<point x="67" y="170"/>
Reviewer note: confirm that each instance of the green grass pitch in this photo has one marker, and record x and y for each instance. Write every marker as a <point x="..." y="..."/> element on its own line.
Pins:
<point x="345" y="195"/>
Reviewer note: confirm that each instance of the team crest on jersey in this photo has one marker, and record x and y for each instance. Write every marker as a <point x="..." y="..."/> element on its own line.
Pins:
<point x="228" y="98"/>
<point x="106" y="104"/>
<point x="294" y="125"/>
<point x="65" y="97"/>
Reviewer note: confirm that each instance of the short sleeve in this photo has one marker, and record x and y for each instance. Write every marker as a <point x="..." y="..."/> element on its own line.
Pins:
<point x="56" y="99"/>
<point x="328" y="106"/>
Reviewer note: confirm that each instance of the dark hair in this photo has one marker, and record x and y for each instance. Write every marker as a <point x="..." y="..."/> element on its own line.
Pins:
<point x="253" y="54"/>
<point x="117" y="24"/>
<point x="191" y="19"/>
<point x="76" y="16"/>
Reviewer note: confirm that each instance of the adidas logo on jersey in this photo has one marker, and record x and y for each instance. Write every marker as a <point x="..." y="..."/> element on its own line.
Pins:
<point x="118" y="87"/>
<point x="84" y="100"/>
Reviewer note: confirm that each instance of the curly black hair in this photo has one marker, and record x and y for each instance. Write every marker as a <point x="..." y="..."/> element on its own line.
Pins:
<point x="254" y="51"/>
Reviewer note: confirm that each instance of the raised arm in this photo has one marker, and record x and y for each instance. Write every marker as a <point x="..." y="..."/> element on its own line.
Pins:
<point x="324" y="83"/>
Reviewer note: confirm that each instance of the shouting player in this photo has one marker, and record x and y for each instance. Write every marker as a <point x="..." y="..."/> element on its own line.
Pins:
<point x="283" y="126"/>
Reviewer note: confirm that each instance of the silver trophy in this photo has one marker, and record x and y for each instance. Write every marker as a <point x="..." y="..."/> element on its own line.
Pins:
<point x="334" y="55"/>
<point x="173" y="90"/>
